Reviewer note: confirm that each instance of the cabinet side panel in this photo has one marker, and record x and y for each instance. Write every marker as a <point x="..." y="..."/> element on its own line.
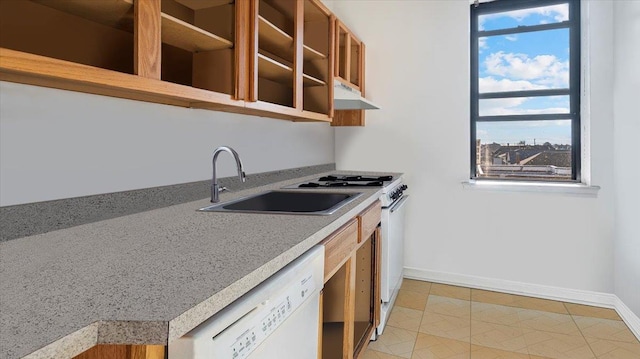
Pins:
<point x="147" y="44"/>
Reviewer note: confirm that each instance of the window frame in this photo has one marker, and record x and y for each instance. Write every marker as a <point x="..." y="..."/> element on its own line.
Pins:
<point x="573" y="25"/>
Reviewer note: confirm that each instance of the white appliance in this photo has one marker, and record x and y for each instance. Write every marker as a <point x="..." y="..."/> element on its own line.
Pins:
<point x="393" y="201"/>
<point x="348" y="98"/>
<point x="277" y="319"/>
<point x="392" y="253"/>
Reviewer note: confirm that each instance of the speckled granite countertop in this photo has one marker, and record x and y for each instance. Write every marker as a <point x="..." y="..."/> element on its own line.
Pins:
<point x="146" y="278"/>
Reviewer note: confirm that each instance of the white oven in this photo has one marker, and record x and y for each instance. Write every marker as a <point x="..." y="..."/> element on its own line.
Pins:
<point x="392" y="232"/>
<point x="394" y="202"/>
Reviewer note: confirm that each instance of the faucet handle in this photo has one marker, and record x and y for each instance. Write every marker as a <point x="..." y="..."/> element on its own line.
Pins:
<point x="222" y="189"/>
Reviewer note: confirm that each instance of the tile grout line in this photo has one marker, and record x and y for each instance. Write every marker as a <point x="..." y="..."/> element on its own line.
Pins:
<point x="470" y="319"/>
<point x="528" y="354"/>
<point x="580" y="330"/>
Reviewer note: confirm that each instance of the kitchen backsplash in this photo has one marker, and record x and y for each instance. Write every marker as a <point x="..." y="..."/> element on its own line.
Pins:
<point x="34" y="218"/>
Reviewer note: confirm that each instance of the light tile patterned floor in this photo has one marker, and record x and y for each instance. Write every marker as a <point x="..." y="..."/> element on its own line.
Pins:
<point x="438" y="321"/>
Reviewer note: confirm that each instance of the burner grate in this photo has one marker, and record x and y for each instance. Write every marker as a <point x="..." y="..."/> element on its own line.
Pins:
<point x="340" y="184"/>
<point x="354" y="178"/>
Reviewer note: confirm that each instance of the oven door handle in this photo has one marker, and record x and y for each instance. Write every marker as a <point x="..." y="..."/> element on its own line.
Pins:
<point x="399" y="204"/>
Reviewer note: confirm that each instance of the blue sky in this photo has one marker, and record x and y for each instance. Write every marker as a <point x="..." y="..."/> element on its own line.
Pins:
<point x="526" y="61"/>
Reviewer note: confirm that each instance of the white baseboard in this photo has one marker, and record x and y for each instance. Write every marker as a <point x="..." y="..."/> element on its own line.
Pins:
<point x="598" y="299"/>
<point x="630" y="319"/>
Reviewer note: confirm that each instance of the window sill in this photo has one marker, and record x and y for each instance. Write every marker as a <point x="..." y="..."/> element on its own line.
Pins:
<point x="571" y="189"/>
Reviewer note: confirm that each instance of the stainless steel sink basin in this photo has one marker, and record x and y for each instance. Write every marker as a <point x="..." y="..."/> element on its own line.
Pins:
<point x="287" y="202"/>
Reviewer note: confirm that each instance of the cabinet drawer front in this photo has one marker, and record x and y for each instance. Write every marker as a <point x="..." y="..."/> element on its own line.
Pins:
<point x="369" y="219"/>
<point x="338" y="247"/>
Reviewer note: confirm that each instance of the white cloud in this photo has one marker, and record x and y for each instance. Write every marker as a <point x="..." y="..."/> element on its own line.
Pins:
<point x="491" y="84"/>
<point x="497" y="110"/>
<point x="511" y="37"/>
<point x="543" y="70"/>
<point x="504" y="106"/>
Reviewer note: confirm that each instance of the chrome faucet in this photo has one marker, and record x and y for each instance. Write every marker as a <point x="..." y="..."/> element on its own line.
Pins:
<point x="215" y="189"/>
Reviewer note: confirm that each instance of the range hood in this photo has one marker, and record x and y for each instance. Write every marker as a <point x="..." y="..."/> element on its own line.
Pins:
<point x="348" y="98"/>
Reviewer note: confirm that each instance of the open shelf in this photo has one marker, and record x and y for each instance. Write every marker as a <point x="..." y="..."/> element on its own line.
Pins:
<point x="71" y="33"/>
<point x="273" y="39"/>
<point x="280" y="72"/>
<point x="309" y="80"/>
<point x="114" y="13"/>
<point x="273" y="70"/>
<point x="119" y="14"/>
<point x="203" y="4"/>
<point x="183" y="35"/>
<point x="332" y="339"/>
<point x="311" y="54"/>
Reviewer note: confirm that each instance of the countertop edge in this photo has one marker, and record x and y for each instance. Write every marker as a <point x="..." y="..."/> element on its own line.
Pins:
<point x="76" y="342"/>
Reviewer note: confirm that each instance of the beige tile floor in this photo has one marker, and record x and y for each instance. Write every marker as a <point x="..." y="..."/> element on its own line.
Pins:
<point x="437" y="321"/>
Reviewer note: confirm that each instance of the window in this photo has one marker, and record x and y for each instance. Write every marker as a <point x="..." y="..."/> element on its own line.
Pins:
<point x="525" y="90"/>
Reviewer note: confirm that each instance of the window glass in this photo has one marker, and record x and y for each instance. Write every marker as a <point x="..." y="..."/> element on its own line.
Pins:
<point x="524" y="17"/>
<point x="524" y="105"/>
<point x="526" y="61"/>
<point x="525" y="90"/>
<point x="524" y="150"/>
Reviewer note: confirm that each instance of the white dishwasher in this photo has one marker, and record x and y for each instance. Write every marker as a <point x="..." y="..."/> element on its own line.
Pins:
<point x="277" y="319"/>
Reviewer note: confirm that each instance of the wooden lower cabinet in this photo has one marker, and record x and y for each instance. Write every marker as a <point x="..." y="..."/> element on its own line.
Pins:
<point x="350" y="306"/>
<point x="104" y="351"/>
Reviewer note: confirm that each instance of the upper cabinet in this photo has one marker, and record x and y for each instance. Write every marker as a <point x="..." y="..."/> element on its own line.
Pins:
<point x="290" y="69"/>
<point x="349" y="74"/>
<point x="274" y="58"/>
<point x="349" y="58"/>
<point x="198" y="44"/>
<point x="178" y="52"/>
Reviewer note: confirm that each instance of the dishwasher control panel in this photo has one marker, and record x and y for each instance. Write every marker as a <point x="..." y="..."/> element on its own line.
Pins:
<point x="266" y="318"/>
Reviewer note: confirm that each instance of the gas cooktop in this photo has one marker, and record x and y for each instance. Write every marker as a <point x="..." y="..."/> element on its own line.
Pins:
<point x="346" y="181"/>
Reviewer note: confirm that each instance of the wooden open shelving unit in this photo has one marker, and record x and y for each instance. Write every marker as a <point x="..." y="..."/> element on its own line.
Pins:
<point x="119" y="14"/>
<point x="292" y="66"/>
<point x="276" y="58"/>
<point x="349" y="70"/>
<point x="191" y="53"/>
<point x="350" y="300"/>
<point x="317" y="66"/>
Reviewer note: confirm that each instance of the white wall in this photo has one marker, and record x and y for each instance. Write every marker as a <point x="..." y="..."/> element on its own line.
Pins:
<point x="627" y="172"/>
<point x="58" y="144"/>
<point x="418" y="72"/>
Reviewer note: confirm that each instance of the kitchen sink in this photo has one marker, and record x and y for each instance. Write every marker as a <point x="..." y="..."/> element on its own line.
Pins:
<point x="287" y="202"/>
